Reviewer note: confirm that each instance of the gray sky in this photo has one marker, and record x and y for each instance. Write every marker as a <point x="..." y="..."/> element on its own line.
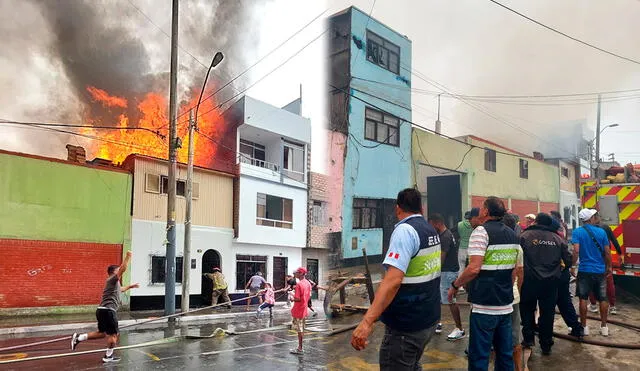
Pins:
<point x="475" y="47"/>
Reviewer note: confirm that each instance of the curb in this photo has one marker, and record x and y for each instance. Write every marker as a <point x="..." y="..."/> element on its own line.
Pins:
<point x="88" y="325"/>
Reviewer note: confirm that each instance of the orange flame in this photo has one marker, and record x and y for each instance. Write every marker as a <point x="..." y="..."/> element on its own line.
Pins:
<point x="99" y="95"/>
<point x="116" y="145"/>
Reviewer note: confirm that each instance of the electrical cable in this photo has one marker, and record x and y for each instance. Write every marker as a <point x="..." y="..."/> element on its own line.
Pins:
<point x="124" y="144"/>
<point x="435" y="93"/>
<point x="45" y="124"/>
<point x="424" y="128"/>
<point x="257" y="62"/>
<point x="565" y="35"/>
<point x="266" y="75"/>
<point x="481" y="108"/>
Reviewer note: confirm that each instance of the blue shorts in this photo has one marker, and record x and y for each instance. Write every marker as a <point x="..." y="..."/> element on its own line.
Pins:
<point x="446" y="279"/>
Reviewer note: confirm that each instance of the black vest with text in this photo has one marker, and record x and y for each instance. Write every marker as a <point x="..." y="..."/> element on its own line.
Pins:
<point x="416" y="306"/>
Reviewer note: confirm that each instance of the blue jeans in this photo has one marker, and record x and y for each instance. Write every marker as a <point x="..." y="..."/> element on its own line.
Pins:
<point x="488" y="330"/>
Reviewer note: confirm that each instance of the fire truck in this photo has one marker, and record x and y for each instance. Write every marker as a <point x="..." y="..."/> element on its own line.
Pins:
<point x="619" y="207"/>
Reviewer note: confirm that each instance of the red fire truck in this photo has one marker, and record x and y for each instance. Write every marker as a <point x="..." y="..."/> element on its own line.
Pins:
<point x="619" y="207"/>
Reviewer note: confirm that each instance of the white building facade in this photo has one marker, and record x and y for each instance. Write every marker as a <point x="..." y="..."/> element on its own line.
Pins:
<point x="212" y="229"/>
<point x="273" y="146"/>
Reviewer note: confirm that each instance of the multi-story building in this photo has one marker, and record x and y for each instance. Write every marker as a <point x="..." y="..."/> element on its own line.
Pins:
<point x="569" y="184"/>
<point x="370" y="105"/>
<point x="63" y="223"/>
<point x="271" y="222"/>
<point x="212" y="229"/>
<point x="456" y="175"/>
<point x="315" y="254"/>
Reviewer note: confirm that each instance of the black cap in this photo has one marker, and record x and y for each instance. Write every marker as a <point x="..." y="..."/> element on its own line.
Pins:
<point x="474" y="212"/>
<point x="467" y="215"/>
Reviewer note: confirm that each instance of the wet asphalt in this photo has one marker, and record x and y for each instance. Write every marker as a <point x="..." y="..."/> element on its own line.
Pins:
<point x="269" y="349"/>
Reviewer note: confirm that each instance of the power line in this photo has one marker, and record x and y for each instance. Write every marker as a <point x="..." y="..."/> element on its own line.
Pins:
<point x="266" y="75"/>
<point x="124" y="144"/>
<point x="479" y="107"/>
<point x="565" y="35"/>
<point x="257" y="62"/>
<point x="423" y="127"/>
<point x="565" y="95"/>
<point x="43" y="124"/>
<point x="165" y="33"/>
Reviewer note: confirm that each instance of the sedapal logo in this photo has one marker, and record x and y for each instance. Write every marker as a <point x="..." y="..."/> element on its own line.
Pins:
<point x="393" y="255"/>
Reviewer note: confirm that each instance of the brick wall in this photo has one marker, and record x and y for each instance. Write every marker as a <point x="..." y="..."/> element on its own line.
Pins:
<point x="524" y="207"/>
<point x="45" y="273"/>
<point x="318" y="191"/>
<point x="546" y="207"/>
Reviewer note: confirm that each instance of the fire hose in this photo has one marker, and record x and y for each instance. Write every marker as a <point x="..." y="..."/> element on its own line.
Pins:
<point x="28" y="345"/>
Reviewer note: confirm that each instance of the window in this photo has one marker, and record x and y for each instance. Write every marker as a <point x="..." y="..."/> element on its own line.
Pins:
<point x="254" y="153"/>
<point x="181" y="186"/>
<point x="564" y="171"/>
<point x="152" y="183"/>
<point x="318" y="213"/>
<point x="383" y="53"/>
<point x="381" y="127"/>
<point x="247" y="266"/>
<point x="367" y="213"/>
<point x="524" y="169"/>
<point x="489" y="160"/>
<point x="158" y="269"/>
<point x="293" y="161"/>
<point x="273" y="211"/>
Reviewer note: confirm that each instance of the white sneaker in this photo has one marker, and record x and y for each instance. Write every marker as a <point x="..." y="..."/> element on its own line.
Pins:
<point x="593" y="308"/>
<point x="613" y="310"/>
<point x="456" y="334"/>
<point x="585" y="331"/>
<point x="604" y="331"/>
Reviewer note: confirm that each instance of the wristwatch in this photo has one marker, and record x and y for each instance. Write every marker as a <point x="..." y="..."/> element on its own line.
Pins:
<point x="453" y="284"/>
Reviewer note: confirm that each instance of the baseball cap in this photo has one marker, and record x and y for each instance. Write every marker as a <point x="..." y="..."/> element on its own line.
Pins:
<point x="530" y="216"/>
<point x="586" y="214"/>
<point x="216" y="269"/>
<point x="301" y="270"/>
<point x="474" y="212"/>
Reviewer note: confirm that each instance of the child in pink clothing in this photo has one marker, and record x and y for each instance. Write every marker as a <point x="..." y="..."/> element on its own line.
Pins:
<point x="269" y="300"/>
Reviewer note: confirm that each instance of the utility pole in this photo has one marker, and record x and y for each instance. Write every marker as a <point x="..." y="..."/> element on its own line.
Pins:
<point x="170" y="273"/>
<point x="598" y="140"/>
<point x="186" y="254"/>
<point x="438" y="123"/>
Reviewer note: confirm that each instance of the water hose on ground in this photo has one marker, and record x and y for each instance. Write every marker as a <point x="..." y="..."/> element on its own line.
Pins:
<point x="28" y="345"/>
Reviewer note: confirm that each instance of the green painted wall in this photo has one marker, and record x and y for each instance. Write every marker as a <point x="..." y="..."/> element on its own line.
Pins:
<point x="47" y="200"/>
<point x="430" y="149"/>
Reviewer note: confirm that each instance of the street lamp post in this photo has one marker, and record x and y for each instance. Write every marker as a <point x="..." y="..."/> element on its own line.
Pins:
<point x="597" y="139"/>
<point x="186" y="254"/>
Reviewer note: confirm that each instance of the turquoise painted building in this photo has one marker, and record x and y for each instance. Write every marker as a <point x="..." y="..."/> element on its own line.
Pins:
<point x="370" y="106"/>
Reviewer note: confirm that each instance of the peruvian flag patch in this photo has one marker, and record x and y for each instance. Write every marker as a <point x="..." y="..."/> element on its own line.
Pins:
<point x="394" y="256"/>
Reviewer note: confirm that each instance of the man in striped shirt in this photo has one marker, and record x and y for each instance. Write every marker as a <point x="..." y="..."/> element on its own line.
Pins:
<point x="493" y="253"/>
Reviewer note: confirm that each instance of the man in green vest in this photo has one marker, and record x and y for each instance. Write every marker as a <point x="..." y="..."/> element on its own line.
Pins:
<point x="493" y="253"/>
<point x="408" y="299"/>
<point x="465" y="227"/>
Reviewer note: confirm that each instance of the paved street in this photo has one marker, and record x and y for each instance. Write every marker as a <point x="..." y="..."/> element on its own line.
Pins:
<point x="269" y="350"/>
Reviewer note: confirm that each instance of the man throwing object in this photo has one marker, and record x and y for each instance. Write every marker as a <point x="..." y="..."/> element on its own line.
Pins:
<point x="106" y="314"/>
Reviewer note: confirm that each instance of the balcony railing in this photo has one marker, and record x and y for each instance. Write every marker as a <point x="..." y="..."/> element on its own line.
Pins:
<point x="259" y="163"/>
<point x="295" y="175"/>
<point x="274" y="223"/>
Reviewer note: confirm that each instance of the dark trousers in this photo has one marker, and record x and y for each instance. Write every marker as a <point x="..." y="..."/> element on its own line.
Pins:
<point x="544" y="294"/>
<point x="565" y="305"/>
<point x="488" y="330"/>
<point x="402" y="350"/>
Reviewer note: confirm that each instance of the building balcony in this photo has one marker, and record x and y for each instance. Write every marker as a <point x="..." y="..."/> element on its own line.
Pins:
<point x="270" y="156"/>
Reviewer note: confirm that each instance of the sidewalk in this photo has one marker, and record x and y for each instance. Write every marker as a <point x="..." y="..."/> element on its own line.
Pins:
<point x="72" y="322"/>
